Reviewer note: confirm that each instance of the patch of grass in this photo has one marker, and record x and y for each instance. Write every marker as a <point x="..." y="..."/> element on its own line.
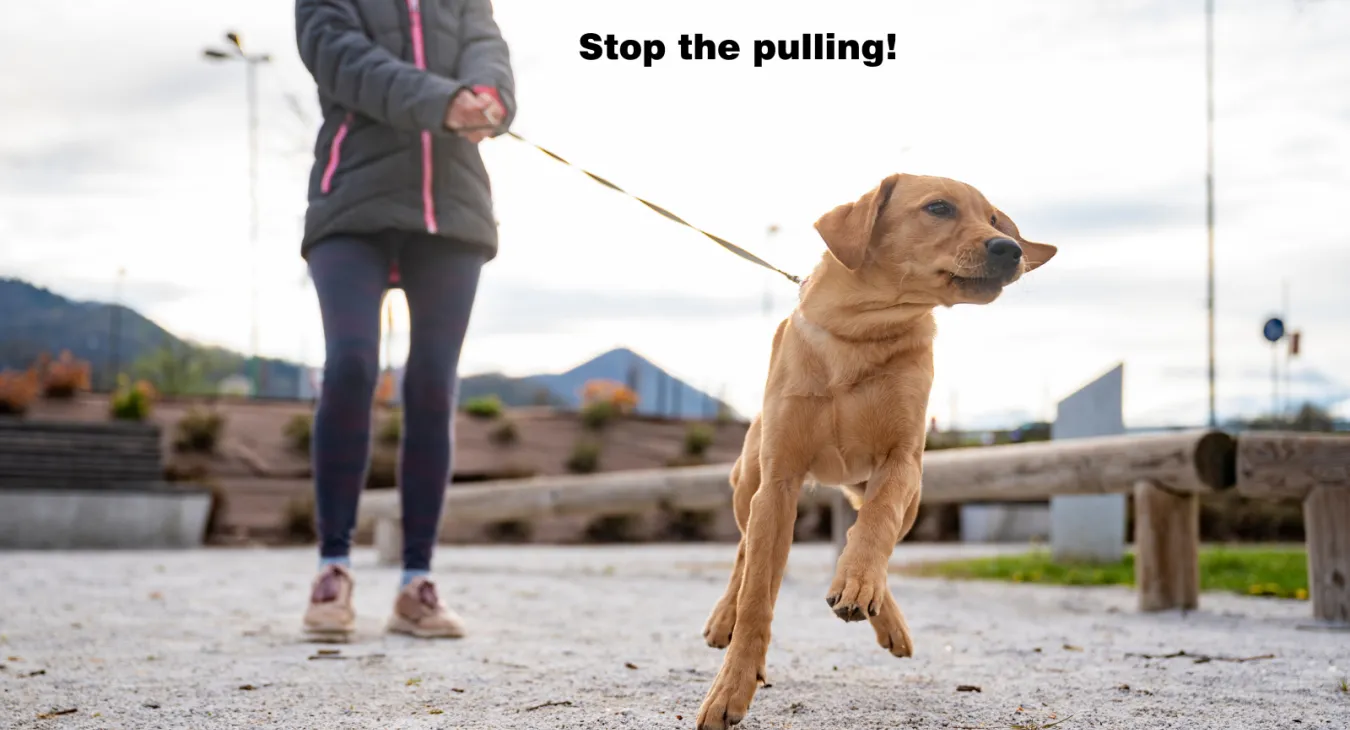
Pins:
<point x="597" y="415"/>
<point x="131" y="402"/>
<point x="1278" y="572"/>
<point x="504" y="434"/>
<point x="199" y="430"/>
<point x="585" y="457"/>
<point x="298" y="432"/>
<point x="697" y="438"/>
<point x="485" y="407"/>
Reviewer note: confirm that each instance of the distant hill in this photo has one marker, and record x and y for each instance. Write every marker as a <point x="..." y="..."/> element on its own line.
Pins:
<point x="659" y="392"/>
<point x="514" y="392"/>
<point x="34" y="321"/>
<point x="37" y="321"/>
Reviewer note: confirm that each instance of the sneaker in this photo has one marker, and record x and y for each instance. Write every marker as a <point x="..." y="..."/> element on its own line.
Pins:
<point x="330" y="614"/>
<point x="418" y="611"/>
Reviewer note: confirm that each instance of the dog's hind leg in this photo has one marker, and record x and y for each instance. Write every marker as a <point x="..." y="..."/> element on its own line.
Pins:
<point x="745" y="482"/>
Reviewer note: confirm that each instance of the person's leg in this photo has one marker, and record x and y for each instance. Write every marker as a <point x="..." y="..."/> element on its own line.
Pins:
<point x="350" y="277"/>
<point x="440" y="280"/>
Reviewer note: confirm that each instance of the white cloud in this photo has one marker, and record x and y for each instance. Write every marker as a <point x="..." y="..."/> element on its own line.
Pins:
<point x="1084" y="120"/>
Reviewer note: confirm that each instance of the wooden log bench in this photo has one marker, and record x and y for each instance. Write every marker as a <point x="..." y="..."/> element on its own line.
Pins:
<point x="92" y="485"/>
<point x="1166" y="472"/>
<point x="693" y="488"/>
<point x="1314" y="468"/>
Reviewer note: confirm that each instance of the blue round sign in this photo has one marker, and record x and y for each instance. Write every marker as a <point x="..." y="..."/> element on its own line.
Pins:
<point x="1273" y="329"/>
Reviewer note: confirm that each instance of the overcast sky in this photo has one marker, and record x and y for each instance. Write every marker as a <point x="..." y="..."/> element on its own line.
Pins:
<point x="1084" y="120"/>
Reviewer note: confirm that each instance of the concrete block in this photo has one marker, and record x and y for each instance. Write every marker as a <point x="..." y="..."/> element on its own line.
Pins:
<point x="1090" y="528"/>
<point x="72" y="519"/>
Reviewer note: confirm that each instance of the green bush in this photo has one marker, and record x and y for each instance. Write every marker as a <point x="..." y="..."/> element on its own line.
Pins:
<point x="598" y="414"/>
<point x="198" y="431"/>
<point x="697" y="438"/>
<point x="486" y="407"/>
<point x="585" y="457"/>
<point x="299" y="432"/>
<point x="131" y="402"/>
<point x="504" y="434"/>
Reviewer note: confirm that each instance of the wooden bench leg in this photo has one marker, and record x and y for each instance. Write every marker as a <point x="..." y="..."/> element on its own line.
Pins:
<point x="1326" y="522"/>
<point x="389" y="541"/>
<point x="1166" y="548"/>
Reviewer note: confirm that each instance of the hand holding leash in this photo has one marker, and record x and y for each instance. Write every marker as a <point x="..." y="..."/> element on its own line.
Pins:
<point x="474" y="116"/>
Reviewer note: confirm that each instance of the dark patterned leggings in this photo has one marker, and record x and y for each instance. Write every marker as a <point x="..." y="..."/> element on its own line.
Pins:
<point x="351" y="275"/>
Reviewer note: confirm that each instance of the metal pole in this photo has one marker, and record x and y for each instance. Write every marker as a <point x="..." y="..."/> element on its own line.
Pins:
<point x="768" y="280"/>
<point x="1284" y="314"/>
<point x="1275" y="381"/>
<point x="1209" y="194"/>
<point x="115" y="336"/>
<point x="251" y="64"/>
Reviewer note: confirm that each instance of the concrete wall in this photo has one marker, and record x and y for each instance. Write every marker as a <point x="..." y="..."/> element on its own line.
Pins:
<point x="74" y="519"/>
<point x="1090" y="527"/>
<point x="1005" y="523"/>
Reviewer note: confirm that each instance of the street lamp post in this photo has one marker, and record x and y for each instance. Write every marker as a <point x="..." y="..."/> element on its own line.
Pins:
<point x="235" y="52"/>
<point x="1209" y="195"/>
<point x="768" y="279"/>
<point x="115" y="336"/>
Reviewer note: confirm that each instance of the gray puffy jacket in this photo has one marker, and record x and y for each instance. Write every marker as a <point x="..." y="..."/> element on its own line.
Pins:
<point x="386" y="72"/>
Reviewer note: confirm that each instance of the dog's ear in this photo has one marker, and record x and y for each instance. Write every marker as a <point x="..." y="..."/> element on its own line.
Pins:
<point x="849" y="229"/>
<point x="1035" y="254"/>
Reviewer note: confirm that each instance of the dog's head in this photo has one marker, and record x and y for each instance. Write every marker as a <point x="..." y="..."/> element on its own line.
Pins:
<point x="930" y="240"/>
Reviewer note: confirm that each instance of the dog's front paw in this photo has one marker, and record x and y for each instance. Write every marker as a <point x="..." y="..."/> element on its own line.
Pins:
<point x="857" y="594"/>
<point x="717" y="631"/>
<point x="891" y="629"/>
<point x="729" y="699"/>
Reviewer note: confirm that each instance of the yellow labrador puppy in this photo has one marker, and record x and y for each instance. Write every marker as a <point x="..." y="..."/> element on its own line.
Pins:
<point x="845" y="405"/>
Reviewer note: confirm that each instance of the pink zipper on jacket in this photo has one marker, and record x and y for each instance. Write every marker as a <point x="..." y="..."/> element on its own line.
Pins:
<point x="420" y="59"/>
<point x="334" y="155"/>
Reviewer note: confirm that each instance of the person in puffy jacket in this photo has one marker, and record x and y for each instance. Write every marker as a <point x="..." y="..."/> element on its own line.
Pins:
<point x="398" y="196"/>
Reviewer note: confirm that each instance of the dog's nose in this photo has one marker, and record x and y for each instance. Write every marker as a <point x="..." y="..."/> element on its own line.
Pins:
<point x="1003" y="252"/>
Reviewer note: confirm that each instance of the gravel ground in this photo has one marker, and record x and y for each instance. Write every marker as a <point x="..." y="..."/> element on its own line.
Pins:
<point x="610" y="638"/>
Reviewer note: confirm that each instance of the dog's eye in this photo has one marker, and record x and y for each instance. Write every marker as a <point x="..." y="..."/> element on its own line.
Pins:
<point x="993" y="220"/>
<point x="940" y="208"/>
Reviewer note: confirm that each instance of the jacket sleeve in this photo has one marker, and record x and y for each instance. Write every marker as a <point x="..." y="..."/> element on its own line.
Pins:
<point x="484" y="59"/>
<point x="352" y="69"/>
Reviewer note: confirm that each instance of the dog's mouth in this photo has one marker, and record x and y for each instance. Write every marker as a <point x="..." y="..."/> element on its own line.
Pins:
<point x="977" y="284"/>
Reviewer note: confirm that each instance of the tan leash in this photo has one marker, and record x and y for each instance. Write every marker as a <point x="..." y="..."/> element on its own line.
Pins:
<point x="724" y="243"/>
